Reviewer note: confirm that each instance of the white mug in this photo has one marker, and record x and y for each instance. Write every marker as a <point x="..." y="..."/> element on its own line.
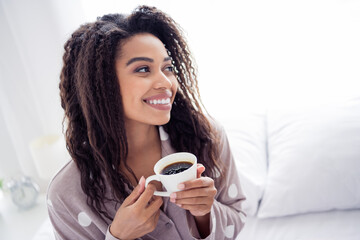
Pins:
<point x="170" y="182"/>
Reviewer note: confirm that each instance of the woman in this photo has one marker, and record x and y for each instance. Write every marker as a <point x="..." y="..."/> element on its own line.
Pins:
<point x="130" y="95"/>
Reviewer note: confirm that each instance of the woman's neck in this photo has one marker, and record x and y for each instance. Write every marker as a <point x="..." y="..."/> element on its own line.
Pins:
<point x="144" y="150"/>
<point x="141" y="137"/>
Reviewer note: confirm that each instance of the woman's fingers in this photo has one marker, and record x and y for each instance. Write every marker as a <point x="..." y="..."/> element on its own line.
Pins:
<point x="151" y="223"/>
<point x="206" y="193"/>
<point x="199" y="188"/>
<point x="200" y="169"/>
<point x="155" y="205"/>
<point x="193" y="201"/>
<point x="198" y="183"/>
<point x="200" y="208"/>
<point x="197" y="195"/>
<point x="135" y="194"/>
<point x="140" y="215"/>
<point x="146" y="196"/>
<point x="196" y="210"/>
<point x="155" y="217"/>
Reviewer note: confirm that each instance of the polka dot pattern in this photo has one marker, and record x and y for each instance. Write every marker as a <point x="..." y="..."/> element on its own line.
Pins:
<point x="229" y="231"/>
<point x="242" y="217"/>
<point x="163" y="135"/>
<point x="232" y="191"/>
<point x="84" y="220"/>
<point x="217" y="173"/>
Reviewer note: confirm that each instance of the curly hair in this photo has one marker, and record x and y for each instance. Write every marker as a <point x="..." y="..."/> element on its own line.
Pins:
<point x="90" y="96"/>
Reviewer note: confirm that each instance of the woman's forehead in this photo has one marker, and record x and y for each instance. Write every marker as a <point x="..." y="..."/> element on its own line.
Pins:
<point x="143" y="44"/>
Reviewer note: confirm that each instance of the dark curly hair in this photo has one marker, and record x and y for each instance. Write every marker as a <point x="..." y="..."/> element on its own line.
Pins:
<point x="90" y="95"/>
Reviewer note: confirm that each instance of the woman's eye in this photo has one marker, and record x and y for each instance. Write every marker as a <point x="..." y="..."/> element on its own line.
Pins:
<point x="170" y="68"/>
<point x="142" y="70"/>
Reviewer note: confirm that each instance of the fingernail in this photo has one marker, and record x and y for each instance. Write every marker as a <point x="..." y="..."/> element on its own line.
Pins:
<point x="172" y="200"/>
<point x="179" y="205"/>
<point x="181" y="186"/>
<point x="141" y="179"/>
<point x="172" y="195"/>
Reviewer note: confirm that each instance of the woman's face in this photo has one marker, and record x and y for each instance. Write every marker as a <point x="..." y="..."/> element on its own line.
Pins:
<point x="147" y="82"/>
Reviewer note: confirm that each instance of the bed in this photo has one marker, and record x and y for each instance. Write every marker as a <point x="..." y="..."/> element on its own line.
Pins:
<point x="330" y="225"/>
<point x="300" y="170"/>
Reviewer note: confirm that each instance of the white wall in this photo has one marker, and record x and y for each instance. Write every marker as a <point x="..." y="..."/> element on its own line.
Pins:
<point x="250" y="53"/>
<point x="8" y="152"/>
<point x="253" y="53"/>
<point x="15" y="112"/>
<point x="32" y="39"/>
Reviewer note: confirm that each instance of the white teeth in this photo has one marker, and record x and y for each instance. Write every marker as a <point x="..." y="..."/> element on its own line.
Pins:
<point x="159" y="101"/>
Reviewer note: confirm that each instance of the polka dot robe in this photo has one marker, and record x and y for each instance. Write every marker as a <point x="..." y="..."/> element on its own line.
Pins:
<point x="72" y="218"/>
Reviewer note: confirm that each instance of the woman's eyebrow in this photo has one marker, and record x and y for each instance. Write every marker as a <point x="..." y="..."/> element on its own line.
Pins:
<point x="139" y="59"/>
<point x="144" y="59"/>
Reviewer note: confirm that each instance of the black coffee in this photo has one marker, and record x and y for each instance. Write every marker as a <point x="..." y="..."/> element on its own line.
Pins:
<point x="176" y="168"/>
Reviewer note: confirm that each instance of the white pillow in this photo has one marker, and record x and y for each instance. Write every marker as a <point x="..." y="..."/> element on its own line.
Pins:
<point x="314" y="160"/>
<point x="246" y="134"/>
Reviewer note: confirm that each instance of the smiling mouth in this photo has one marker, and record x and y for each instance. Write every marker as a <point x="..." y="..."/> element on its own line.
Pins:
<point x="163" y="101"/>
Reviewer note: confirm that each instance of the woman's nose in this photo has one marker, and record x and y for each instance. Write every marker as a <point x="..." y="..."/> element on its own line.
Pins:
<point x="162" y="81"/>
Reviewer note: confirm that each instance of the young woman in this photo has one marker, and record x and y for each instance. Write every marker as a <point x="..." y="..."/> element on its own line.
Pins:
<point x="129" y="91"/>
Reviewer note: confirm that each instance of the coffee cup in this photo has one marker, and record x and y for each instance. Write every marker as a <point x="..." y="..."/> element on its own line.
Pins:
<point x="172" y="170"/>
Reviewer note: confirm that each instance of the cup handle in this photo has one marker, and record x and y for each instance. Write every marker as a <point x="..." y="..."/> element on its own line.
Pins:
<point x="157" y="193"/>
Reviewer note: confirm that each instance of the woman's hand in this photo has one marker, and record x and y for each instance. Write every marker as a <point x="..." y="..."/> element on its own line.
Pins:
<point x="138" y="215"/>
<point x="197" y="195"/>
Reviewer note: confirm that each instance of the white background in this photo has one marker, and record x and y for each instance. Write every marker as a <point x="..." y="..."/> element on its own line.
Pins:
<point x="250" y="54"/>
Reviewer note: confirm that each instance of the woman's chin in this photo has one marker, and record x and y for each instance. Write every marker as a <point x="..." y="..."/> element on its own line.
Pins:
<point x="163" y="121"/>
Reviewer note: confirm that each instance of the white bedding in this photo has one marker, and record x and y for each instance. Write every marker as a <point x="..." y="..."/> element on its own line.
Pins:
<point x="333" y="225"/>
<point x="45" y="232"/>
